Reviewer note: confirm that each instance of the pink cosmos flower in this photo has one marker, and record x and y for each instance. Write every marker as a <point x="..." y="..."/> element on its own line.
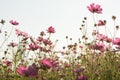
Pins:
<point x="14" y="22"/>
<point x="46" y="62"/>
<point x="116" y="41"/>
<point x="47" y="42"/>
<point x="24" y="34"/>
<point x="101" y="37"/>
<point x="18" y="32"/>
<point x="8" y="63"/>
<point x="107" y="39"/>
<point x="31" y="71"/>
<point x="95" y="8"/>
<point x="21" y="70"/>
<point x="21" y="33"/>
<point x="51" y="30"/>
<point x="99" y="46"/>
<point x="34" y="46"/>
<point x="101" y="23"/>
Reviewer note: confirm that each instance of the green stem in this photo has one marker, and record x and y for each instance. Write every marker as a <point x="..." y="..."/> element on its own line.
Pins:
<point x="6" y="38"/>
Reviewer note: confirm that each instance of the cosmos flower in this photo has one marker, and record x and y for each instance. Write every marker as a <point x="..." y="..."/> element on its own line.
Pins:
<point x="95" y="8"/>
<point x="8" y="63"/>
<point x="46" y="62"/>
<point x="99" y="46"/>
<point x="51" y="30"/>
<point x="101" y="23"/>
<point x="14" y="22"/>
<point x="49" y="63"/>
<point x="116" y="41"/>
<point x="101" y="37"/>
<point x="31" y="71"/>
<point x="47" y="42"/>
<point x="34" y="46"/>
<point x="21" y="33"/>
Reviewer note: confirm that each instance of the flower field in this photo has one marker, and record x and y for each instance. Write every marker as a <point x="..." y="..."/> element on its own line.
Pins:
<point x="95" y="56"/>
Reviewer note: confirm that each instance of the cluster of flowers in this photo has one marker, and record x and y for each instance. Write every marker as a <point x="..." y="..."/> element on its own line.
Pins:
<point x="86" y="60"/>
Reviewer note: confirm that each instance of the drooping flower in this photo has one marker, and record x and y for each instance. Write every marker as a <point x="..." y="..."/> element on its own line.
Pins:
<point x="51" y="30"/>
<point x="14" y="22"/>
<point x="31" y="71"/>
<point x="95" y="8"/>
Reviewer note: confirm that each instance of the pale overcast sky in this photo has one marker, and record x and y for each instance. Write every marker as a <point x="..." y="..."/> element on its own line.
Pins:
<point x="64" y="15"/>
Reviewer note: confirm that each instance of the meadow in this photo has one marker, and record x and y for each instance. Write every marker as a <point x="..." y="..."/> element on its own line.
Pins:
<point x="95" y="56"/>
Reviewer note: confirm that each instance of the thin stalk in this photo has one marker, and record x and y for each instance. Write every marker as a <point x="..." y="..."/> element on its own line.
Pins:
<point x="6" y="38"/>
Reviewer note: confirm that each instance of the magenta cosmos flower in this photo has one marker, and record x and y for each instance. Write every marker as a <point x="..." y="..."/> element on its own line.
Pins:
<point x="34" y="46"/>
<point x="99" y="46"/>
<point x="14" y="22"/>
<point x="101" y="37"/>
<point x="20" y="33"/>
<point x="116" y="41"/>
<point x="101" y="23"/>
<point x="95" y="8"/>
<point x="8" y="63"/>
<point x="51" y="30"/>
<point x="48" y="63"/>
<point x="31" y="71"/>
<point x="47" y="42"/>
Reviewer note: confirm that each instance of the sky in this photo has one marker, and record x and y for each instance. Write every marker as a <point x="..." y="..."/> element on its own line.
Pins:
<point x="65" y="16"/>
